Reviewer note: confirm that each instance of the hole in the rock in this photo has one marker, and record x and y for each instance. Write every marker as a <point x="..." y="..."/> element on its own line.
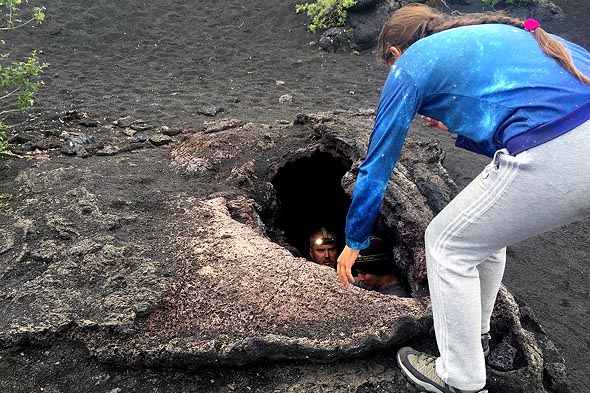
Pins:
<point x="310" y="197"/>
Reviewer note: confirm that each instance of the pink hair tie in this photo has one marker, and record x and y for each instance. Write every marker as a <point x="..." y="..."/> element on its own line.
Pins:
<point x="531" y="25"/>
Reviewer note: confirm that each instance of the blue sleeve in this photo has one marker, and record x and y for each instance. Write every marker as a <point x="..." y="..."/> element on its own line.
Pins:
<point x="398" y="105"/>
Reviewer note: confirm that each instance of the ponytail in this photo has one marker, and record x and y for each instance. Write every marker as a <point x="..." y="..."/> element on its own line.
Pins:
<point x="555" y="49"/>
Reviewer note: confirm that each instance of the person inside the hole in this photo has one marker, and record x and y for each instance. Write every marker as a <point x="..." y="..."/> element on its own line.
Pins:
<point x="323" y="248"/>
<point x="377" y="271"/>
<point x="511" y="91"/>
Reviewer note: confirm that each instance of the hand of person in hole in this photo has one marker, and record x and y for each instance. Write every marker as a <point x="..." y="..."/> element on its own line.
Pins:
<point x="430" y="122"/>
<point x="345" y="261"/>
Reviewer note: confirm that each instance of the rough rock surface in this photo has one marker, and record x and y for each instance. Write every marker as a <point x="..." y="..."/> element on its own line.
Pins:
<point x="159" y="257"/>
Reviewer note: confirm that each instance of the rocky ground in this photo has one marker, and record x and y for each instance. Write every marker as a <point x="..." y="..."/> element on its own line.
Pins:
<point x="162" y="71"/>
<point x="157" y="256"/>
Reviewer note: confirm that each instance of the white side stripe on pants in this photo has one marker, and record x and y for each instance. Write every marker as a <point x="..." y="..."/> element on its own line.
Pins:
<point x="478" y="207"/>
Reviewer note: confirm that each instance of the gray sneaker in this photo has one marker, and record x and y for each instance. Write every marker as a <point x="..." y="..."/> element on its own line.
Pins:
<point x="485" y="343"/>
<point x="420" y="369"/>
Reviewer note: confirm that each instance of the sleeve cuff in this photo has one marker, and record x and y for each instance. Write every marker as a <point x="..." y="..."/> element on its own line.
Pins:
<point x="358" y="245"/>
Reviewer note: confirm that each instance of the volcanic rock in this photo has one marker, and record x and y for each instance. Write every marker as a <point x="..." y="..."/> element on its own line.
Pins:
<point x="172" y="259"/>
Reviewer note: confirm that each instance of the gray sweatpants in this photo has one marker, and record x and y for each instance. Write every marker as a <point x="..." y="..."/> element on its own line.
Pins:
<point x="514" y="198"/>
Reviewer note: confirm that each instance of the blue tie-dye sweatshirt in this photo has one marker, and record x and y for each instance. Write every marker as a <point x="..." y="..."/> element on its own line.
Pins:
<point x="486" y="83"/>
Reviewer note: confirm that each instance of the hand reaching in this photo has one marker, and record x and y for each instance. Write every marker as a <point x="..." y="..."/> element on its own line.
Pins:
<point x="345" y="262"/>
<point x="434" y="123"/>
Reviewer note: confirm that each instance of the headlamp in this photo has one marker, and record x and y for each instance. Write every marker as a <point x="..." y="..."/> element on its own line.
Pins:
<point x="324" y="240"/>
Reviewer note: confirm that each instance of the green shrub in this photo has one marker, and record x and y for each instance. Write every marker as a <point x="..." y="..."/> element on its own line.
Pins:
<point x="3" y="139"/>
<point x="326" y="13"/>
<point x="19" y="80"/>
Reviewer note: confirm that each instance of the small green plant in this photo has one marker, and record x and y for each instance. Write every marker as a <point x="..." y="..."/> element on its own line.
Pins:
<point x="515" y="2"/>
<point x="326" y="13"/>
<point x="3" y="139"/>
<point x="10" y="12"/>
<point x="19" y="80"/>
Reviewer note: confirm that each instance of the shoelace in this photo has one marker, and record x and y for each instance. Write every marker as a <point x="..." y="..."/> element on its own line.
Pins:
<point x="426" y="366"/>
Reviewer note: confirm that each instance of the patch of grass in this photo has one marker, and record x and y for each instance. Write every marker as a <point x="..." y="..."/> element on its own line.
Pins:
<point x="326" y="13"/>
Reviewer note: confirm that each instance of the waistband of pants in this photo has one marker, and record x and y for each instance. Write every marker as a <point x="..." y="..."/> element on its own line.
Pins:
<point x="548" y="131"/>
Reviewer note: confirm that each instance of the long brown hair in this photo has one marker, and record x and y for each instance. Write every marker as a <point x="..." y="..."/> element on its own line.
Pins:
<point x="414" y="21"/>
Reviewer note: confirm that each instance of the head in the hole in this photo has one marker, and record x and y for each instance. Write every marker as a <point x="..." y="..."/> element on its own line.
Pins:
<point x="323" y="248"/>
<point x="377" y="271"/>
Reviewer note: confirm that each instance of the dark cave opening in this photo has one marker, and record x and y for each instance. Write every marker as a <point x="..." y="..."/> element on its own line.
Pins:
<point x="310" y="196"/>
